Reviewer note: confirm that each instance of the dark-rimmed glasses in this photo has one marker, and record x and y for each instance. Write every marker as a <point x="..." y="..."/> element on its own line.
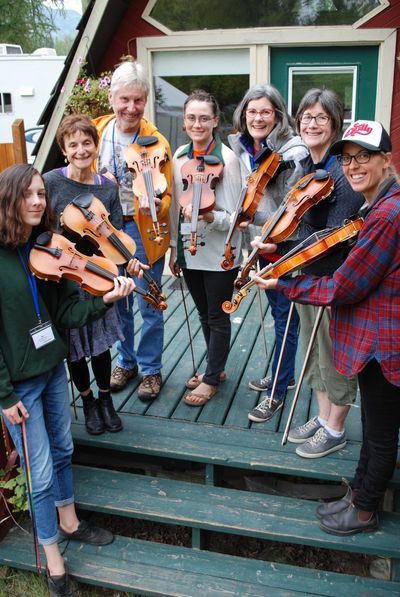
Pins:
<point x="362" y="157"/>
<point x="320" y="119"/>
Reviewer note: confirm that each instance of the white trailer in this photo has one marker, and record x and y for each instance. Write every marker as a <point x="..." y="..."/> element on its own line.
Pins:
<point x="26" y="82"/>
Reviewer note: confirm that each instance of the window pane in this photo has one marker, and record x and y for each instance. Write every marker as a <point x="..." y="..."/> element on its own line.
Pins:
<point x="181" y="15"/>
<point x="340" y="81"/>
<point x="1" y="103"/>
<point x="171" y="93"/>
<point x="7" y="102"/>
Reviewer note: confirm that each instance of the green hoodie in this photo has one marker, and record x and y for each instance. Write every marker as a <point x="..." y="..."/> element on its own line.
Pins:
<point x="59" y="303"/>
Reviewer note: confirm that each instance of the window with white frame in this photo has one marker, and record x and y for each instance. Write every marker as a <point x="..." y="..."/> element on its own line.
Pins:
<point x="341" y="79"/>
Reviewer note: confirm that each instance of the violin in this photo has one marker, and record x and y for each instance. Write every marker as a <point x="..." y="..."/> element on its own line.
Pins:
<point x="307" y="192"/>
<point x="87" y="216"/>
<point x="200" y="177"/>
<point x="54" y="257"/>
<point x="268" y="163"/>
<point x="144" y="159"/>
<point x="300" y="257"/>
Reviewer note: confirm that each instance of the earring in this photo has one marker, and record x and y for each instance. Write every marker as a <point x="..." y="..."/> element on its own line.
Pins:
<point x="65" y="161"/>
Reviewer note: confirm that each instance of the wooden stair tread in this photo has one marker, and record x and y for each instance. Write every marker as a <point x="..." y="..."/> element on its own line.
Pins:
<point x="226" y="446"/>
<point x="261" y="515"/>
<point x="161" y="570"/>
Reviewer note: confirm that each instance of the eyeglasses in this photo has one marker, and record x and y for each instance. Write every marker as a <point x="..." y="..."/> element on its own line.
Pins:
<point x="203" y="119"/>
<point x="264" y="114"/>
<point x="319" y="119"/>
<point x="362" y="157"/>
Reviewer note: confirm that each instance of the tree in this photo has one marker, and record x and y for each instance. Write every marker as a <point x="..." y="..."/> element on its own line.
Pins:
<point x="28" y="23"/>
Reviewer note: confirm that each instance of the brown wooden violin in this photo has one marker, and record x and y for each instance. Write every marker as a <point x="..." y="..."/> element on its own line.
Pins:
<point x="87" y="216"/>
<point x="251" y="195"/>
<point x="144" y="159"/>
<point x="307" y="192"/>
<point x="54" y="257"/>
<point x="199" y="177"/>
<point x="300" y="257"/>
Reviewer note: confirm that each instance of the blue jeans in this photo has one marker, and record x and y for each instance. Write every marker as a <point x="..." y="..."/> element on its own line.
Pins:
<point x="280" y="306"/>
<point x="149" y="351"/>
<point x="50" y="447"/>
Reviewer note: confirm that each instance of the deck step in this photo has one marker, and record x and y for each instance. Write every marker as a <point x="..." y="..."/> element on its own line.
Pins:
<point x="256" y="450"/>
<point x="158" y="570"/>
<point x="219" y="509"/>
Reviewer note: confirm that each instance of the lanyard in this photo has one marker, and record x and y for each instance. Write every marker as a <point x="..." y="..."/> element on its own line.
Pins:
<point x="207" y="150"/>
<point x="31" y="281"/>
<point x="120" y="170"/>
<point x="328" y="162"/>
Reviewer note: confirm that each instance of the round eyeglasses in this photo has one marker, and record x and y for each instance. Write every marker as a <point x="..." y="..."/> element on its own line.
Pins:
<point x="362" y="157"/>
<point x="264" y="114"/>
<point x="319" y="119"/>
<point x="203" y="119"/>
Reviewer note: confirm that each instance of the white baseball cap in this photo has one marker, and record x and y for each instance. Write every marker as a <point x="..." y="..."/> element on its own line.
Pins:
<point x="367" y="133"/>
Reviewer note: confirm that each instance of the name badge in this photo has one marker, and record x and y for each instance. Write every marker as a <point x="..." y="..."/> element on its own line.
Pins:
<point x="186" y="228"/>
<point x="42" y="334"/>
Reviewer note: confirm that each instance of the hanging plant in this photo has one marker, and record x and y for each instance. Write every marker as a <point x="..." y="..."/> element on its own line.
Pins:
<point x="90" y="94"/>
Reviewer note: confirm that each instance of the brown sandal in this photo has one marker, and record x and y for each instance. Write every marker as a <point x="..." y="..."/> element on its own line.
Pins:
<point x="196" y="380"/>
<point x="200" y="398"/>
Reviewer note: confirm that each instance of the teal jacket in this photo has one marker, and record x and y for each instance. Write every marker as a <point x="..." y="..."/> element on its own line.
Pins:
<point x="59" y="303"/>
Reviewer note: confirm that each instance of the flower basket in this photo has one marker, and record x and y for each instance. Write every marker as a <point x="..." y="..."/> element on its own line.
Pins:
<point x="90" y="95"/>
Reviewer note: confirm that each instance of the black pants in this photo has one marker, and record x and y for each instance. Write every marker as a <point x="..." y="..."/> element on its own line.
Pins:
<point x="380" y="416"/>
<point x="209" y="290"/>
<point x="101" y="365"/>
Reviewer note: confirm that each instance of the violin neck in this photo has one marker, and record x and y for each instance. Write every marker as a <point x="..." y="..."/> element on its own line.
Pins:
<point x="100" y="271"/>
<point x="119" y="245"/>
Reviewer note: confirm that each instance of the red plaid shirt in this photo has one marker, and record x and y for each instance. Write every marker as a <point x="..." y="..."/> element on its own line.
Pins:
<point x="364" y="293"/>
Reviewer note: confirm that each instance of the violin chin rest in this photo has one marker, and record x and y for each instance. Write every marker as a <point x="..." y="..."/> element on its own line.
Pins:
<point x="146" y="140"/>
<point x="83" y="200"/>
<point x="321" y="174"/>
<point x="44" y="238"/>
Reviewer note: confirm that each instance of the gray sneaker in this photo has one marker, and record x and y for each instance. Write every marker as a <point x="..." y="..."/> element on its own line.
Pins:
<point x="265" y="410"/>
<point x="321" y="444"/>
<point x="262" y="384"/>
<point x="300" y="434"/>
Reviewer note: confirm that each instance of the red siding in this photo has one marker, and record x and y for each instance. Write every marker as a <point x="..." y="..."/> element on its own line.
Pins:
<point x="131" y="27"/>
<point x="390" y="18"/>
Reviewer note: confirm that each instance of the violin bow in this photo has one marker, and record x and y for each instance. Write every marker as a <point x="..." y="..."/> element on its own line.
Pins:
<point x="317" y="322"/>
<point x="281" y="353"/>
<point x="30" y="494"/>
<point x="189" y="329"/>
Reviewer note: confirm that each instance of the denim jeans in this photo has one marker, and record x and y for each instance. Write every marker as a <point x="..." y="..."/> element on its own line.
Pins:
<point x="209" y="290"/>
<point x="50" y="447"/>
<point x="380" y="416"/>
<point x="148" y="354"/>
<point x="280" y="306"/>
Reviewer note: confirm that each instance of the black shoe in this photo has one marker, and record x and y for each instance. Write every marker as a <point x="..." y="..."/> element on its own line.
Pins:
<point x="88" y="533"/>
<point x="93" y="420"/>
<point x="111" y="420"/>
<point x="347" y="522"/>
<point x="59" y="586"/>
<point x="336" y="506"/>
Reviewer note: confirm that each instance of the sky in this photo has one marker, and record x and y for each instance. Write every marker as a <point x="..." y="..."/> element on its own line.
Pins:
<point x="69" y="5"/>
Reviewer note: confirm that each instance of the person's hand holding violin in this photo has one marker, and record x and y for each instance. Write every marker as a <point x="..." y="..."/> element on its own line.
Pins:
<point x="264" y="247"/>
<point x="145" y="207"/>
<point x="135" y="268"/>
<point x="208" y="216"/>
<point x="122" y="287"/>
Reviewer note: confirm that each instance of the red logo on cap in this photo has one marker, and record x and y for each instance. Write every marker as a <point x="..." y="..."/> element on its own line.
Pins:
<point x="358" y="129"/>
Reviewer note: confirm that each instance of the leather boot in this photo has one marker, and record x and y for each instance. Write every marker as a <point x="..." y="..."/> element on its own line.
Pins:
<point x="111" y="420"/>
<point x="93" y="420"/>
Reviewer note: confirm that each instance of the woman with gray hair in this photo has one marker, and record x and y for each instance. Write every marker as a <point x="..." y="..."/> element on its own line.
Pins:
<point x="261" y="120"/>
<point x="319" y="121"/>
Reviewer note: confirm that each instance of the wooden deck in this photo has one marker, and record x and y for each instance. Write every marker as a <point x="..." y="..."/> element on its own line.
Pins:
<point x="153" y="470"/>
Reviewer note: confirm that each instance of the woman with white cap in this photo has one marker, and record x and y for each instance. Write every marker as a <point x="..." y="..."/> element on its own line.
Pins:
<point x="364" y="294"/>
